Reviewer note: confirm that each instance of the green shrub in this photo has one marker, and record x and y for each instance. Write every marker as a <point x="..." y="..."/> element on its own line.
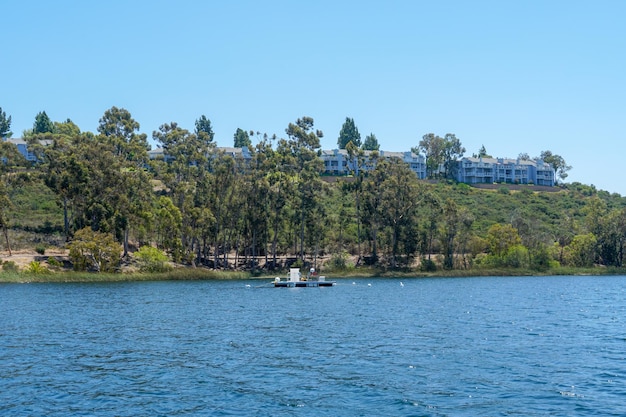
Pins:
<point x="40" y="249"/>
<point x="53" y="262"/>
<point x="339" y="261"/>
<point x="151" y="259"/>
<point x="10" y="266"/>
<point x="427" y="265"/>
<point x="35" y="267"/>
<point x="90" y="250"/>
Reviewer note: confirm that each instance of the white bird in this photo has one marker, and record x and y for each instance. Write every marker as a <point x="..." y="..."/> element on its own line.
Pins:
<point x="247" y="285"/>
<point x="401" y="284"/>
<point x="369" y="285"/>
<point x="353" y="283"/>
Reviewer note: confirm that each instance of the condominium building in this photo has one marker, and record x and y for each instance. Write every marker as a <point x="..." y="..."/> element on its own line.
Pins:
<point x="339" y="162"/>
<point x="500" y="170"/>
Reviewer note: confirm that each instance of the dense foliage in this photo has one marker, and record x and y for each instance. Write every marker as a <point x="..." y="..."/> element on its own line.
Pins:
<point x="202" y="207"/>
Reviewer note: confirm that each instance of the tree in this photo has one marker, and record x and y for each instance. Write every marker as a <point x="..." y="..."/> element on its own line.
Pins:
<point x="581" y="252"/>
<point x="242" y="139"/>
<point x="453" y="150"/>
<point x="10" y="158"/>
<point x="441" y="154"/>
<point x="43" y="124"/>
<point x="120" y="129"/>
<point x="66" y="173"/>
<point x="450" y="228"/>
<point x="371" y="143"/>
<point x="204" y="130"/>
<point x="349" y="133"/>
<point x="432" y="147"/>
<point x="67" y="128"/>
<point x="302" y="149"/>
<point x="401" y="196"/>
<point x="5" y="125"/>
<point x="94" y="250"/>
<point x="190" y="183"/>
<point x="501" y="237"/>
<point x="557" y="162"/>
<point x="482" y="153"/>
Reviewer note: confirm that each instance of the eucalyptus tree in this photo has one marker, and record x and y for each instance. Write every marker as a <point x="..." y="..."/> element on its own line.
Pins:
<point x="257" y="189"/>
<point x="302" y="149"/>
<point x="10" y="159"/>
<point x="119" y="129"/>
<point x="122" y="131"/>
<point x="225" y="205"/>
<point x="356" y="188"/>
<point x="66" y="173"/>
<point x="372" y="214"/>
<point x="281" y="182"/>
<point x="349" y="133"/>
<point x="441" y="154"/>
<point x="401" y="199"/>
<point x="455" y="229"/>
<point x="186" y="176"/>
<point x="557" y="162"/>
<point x="432" y="146"/>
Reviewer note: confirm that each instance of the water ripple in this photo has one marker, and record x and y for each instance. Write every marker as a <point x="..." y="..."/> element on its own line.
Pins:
<point x="433" y="347"/>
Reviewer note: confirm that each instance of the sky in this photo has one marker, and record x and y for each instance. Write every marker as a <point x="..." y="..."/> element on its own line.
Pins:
<point x="515" y="76"/>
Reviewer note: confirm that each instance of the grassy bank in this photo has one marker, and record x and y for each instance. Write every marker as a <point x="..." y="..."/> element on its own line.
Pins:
<point x="198" y="274"/>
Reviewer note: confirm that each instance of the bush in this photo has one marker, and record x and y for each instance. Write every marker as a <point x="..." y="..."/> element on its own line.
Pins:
<point x="339" y="261"/>
<point x="40" y="249"/>
<point x="151" y="259"/>
<point x="96" y="251"/>
<point x="35" y="267"/>
<point x="427" y="265"/>
<point x="54" y="262"/>
<point x="9" y="266"/>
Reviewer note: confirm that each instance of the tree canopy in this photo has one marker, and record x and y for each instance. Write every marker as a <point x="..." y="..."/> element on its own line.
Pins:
<point x="441" y="154"/>
<point x="5" y="125"/>
<point x="274" y="208"/>
<point x="349" y="133"/>
<point x="371" y="143"/>
<point x="558" y="163"/>
<point x="242" y="139"/>
<point x="42" y="124"/>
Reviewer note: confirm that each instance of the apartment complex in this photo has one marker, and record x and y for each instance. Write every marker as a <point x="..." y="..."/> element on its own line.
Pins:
<point x="337" y="162"/>
<point x="501" y="170"/>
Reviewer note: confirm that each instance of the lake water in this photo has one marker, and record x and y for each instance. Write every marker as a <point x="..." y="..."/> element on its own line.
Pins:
<point x="431" y="347"/>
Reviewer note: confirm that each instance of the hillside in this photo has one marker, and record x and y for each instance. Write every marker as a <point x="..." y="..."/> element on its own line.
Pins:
<point x="545" y="215"/>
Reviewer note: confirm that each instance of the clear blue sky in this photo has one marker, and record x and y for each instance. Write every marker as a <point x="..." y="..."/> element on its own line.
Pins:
<point x="515" y="76"/>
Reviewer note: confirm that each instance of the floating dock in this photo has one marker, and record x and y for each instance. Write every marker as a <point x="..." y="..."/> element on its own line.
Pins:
<point x="295" y="280"/>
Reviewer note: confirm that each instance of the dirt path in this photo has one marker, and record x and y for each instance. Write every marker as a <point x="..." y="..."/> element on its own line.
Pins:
<point x="23" y="258"/>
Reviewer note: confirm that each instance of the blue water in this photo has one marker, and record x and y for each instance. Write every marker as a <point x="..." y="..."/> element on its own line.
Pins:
<point x="433" y="347"/>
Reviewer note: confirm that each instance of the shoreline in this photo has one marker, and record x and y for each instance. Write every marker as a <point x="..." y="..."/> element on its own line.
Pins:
<point x="197" y="274"/>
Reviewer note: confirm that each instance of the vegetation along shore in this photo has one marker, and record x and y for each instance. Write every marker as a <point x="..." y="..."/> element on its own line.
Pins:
<point x="95" y="206"/>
